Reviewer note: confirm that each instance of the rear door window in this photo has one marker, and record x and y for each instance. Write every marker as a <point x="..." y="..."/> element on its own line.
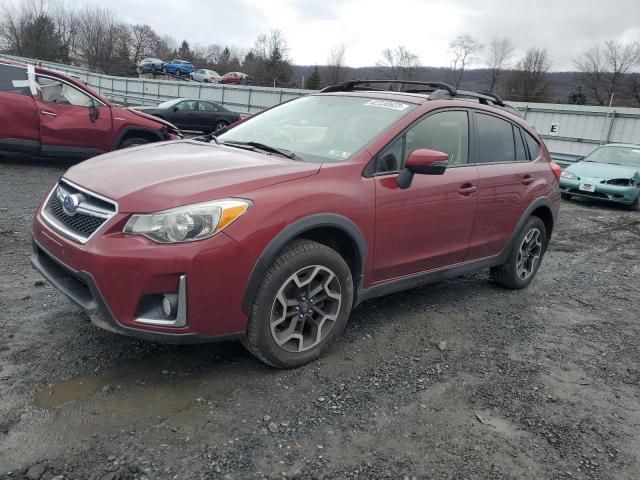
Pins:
<point x="521" y="151"/>
<point x="495" y="140"/>
<point x="13" y="79"/>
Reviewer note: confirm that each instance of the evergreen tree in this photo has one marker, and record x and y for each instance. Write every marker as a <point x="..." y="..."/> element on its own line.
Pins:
<point x="184" y="52"/>
<point x="313" y="82"/>
<point x="577" y="97"/>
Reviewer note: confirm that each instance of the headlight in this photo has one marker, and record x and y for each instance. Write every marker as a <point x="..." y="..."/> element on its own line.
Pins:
<point x="569" y="175"/>
<point x="188" y="223"/>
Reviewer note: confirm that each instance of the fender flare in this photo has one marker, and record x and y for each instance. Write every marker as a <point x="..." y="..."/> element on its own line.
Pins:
<point x="537" y="203"/>
<point x="294" y="230"/>
<point x="129" y="129"/>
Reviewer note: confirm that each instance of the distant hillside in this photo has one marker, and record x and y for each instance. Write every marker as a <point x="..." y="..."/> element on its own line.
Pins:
<point x="561" y="84"/>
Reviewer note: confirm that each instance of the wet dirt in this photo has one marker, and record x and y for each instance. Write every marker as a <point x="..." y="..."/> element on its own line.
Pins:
<point x="539" y="383"/>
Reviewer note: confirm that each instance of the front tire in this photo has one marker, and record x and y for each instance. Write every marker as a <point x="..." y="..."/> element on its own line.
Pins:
<point x="133" y="142"/>
<point x="301" y="306"/>
<point x="566" y="196"/>
<point x="525" y="258"/>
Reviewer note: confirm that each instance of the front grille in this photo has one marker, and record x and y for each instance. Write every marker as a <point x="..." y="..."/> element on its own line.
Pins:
<point x="79" y="223"/>
<point x="92" y="212"/>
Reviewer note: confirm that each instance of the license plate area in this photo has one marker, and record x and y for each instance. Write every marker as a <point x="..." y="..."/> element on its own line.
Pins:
<point x="587" y="187"/>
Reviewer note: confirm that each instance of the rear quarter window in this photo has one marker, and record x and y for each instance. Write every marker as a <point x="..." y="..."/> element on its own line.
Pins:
<point x="534" y="146"/>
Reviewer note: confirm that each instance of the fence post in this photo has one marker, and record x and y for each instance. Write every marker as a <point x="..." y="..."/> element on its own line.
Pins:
<point x="613" y="118"/>
<point x="249" y="100"/>
<point x="222" y="99"/>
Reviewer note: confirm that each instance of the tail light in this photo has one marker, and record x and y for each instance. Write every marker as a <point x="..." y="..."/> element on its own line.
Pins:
<point x="555" y="168"/>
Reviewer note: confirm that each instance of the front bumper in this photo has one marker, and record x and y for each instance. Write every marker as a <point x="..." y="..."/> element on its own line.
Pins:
<point x="113" y="276"/>
<point x="603" y="191"/>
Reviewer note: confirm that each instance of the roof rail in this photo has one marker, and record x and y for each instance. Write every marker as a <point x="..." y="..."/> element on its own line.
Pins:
<point x="352" y="85"/>
<point x="437" y="90"/>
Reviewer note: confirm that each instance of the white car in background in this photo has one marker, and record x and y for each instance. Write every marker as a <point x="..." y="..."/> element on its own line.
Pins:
<point x="206" y="76"/>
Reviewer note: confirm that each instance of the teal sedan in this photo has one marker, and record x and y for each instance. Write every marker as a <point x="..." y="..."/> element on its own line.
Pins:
<point x="611" y="173"/>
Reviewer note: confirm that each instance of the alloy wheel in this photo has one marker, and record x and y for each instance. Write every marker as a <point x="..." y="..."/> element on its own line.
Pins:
<point x="529" y="253"/>
<point x="305" y="309"/>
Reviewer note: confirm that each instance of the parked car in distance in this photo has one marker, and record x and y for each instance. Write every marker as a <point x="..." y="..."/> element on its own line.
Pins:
<point x="206" y="76"/>
<point x="150" y="65"/>
<point x="273" y="230"/>
<point x="48" y="113"/>
<point x="178" y="67"/>
<point x="234" y="78"/>
<point x="197" y="115"/>
<point x="610" y="173"/>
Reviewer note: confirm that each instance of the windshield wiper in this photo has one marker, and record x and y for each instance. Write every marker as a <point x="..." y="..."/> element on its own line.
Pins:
<point x="261" y="146"/>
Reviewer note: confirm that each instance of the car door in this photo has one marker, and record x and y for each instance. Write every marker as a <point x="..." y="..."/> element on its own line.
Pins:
<point x="184" y="115"/>
<point x="208" y="115"/>
<point x="19" y="123"/>
<point x="429" y="224"/>
<point x="67" y="126"/>
<point x="507" y="181"/>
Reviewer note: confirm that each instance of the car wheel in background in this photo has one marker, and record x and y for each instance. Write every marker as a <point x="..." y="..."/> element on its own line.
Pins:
<point x="133" y="142"/>
<point x="525" y="257"/>
<point x="635" y="206"/>
<point x="301" y="307"/>
<point x="220" y="124"/>
<point x="566" y="196"/>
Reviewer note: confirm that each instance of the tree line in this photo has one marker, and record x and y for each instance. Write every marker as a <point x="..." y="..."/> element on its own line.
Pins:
<point x="96" y="38"/>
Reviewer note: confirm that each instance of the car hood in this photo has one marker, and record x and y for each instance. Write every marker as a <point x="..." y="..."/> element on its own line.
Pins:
<point x="606" y="171"/>
<point x="164" y="175"/>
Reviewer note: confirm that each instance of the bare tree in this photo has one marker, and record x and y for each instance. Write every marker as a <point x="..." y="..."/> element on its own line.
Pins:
<point x="529" y="82"/>
<point x="144" y="42"/>
<point x="591" y="64"/>
<point x="336" y="62"/>
<point x="620" y="59"/>
<point x="399" y="63"/>
<point x="499" y="59"/>
<point x="603" y="68"/>
<point x="463" y="49"/>
<point x="97" y="37"/>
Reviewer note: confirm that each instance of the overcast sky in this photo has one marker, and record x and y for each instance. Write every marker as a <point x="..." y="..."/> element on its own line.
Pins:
<point x="425" y="27"/>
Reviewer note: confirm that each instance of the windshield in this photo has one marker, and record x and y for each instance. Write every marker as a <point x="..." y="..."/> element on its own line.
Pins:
<point x="169" y="103"/>
<point x="321" y="128"/>
<point x="617" y="155"/>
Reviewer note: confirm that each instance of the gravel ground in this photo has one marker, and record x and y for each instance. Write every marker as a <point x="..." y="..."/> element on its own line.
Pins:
<point x="456" y="380"/>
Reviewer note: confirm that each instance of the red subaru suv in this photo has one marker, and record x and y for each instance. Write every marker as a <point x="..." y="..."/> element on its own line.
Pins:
<point x="47" y="113"/>
<point x="274" y="230"/>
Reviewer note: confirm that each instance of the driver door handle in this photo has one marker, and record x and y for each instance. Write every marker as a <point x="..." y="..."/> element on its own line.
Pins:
<point x="47" y="112"/>
<point x="467" y="189"/>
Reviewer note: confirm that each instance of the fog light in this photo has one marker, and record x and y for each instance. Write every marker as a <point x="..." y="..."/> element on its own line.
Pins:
<point x="169" y="305"/>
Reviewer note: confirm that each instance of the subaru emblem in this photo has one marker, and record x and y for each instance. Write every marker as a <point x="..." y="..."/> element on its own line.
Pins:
<point x="70" y="203"/>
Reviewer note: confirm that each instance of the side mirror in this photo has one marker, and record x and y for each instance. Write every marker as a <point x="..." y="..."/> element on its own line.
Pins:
<point x="423" y="162"/>
<point x="94" y="113"/>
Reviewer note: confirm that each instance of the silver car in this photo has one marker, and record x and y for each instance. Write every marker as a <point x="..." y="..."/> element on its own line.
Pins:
<point x="206" y="76"/>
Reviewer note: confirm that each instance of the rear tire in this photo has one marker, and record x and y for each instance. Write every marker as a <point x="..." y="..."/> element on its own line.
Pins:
<point x="218" y="125"/>
<point x="635" y="206"/>
<point x="566" y="196"/>
<point x="301" y="306"/>
<point x="525" y="258"/>
<point x="133" y="142"/>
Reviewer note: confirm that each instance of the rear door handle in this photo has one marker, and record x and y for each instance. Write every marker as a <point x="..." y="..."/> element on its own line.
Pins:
<point x="467" y="189"/>
<point x="47" y="112"/>
<point x="527" y="180"/>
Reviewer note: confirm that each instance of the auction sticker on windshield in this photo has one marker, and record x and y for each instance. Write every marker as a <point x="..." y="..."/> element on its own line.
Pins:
<point x="387" y="104"/>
